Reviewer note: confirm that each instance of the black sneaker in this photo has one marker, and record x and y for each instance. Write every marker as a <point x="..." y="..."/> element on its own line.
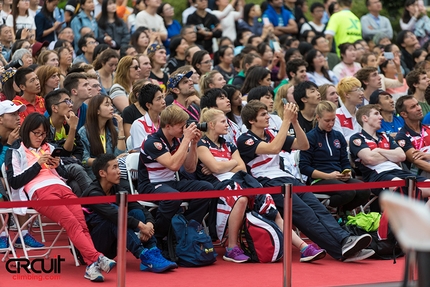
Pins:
<point x="353" y="244"/>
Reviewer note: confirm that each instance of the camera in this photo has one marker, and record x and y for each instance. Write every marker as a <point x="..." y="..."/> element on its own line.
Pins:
<point x="201" y="126"/>
<point x="15" y="64"/>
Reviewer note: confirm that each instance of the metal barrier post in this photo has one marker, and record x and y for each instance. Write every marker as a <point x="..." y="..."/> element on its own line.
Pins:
<point x="122" y="237"/>
<point x="411" y="184"/>
<point x="288" y="227"/>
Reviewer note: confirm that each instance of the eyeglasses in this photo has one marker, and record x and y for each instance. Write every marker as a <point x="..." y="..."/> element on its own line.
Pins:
<point x="206" y="62"/>
<point x="92" y="43"/>
<point x="137" y="67"/>
<point x="357" y="90"/>
<point x="39" y="134"/>
<point x="67" y="101"/>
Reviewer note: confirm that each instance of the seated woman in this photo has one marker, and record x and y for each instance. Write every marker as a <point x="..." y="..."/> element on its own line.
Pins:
<point x="220" y="163"/>
<point x="317" y="69"/>
<point x="34" y="174"/>
<point x="348" y="65"/>
<point x="99" y="134"/>
<point x="127" y="72"/>
<point x="49" y="78"/>
<point x="327" y="162"/>
<point x="210" y="80"/>
<point x="105" y="65"/>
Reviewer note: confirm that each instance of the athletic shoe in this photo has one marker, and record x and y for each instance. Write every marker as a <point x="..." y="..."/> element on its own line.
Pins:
<point x="4" y="243"/>
<point x="235" y="255"/>
<point x="29" y="241"/>
<point x="152" y="260"/>
<point x="312" y="253"/>
<point x="93" y="273"/>
<point x="362" y="254"/>
<point x="106" y="264"/>
<point x="353" y="244"/>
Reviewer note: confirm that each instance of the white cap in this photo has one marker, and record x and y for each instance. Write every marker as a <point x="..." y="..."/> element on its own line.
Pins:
<point x="7" y="107"/>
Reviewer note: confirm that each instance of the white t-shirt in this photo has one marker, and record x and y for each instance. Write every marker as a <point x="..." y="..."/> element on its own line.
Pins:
<point x="21" y="22"/>
<point x="227" y="19"/>
<point x="152" y="22"/>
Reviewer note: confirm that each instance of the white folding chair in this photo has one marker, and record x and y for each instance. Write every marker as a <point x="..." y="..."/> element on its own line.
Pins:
<point x="410" y="222"/>
<point x="132" y="165"/>
<point x="4" y="216"/>
<point x="33" y="215"/>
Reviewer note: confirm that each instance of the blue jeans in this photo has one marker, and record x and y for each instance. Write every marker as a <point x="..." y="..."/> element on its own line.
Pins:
<point x="311" y="217"/>
<point x="105" y="234"/>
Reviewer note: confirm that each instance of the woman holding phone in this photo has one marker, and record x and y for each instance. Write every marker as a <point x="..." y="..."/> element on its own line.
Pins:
<point x="35" y="173"/>
<point x="327" y="162"/>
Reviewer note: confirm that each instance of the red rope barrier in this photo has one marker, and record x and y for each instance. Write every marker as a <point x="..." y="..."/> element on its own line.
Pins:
<point x="144" y="197"/>
<point x="208" y="194"/>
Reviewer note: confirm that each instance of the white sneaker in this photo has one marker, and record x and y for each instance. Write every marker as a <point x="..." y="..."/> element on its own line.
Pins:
<point x="106" y="264"/>
<point x="93" y="273"/>
<point x="360" y="255"/>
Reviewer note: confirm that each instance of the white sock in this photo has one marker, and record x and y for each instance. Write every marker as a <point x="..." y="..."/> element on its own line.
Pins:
<point x="24" y="232"/>
<point x="3" y="234"/>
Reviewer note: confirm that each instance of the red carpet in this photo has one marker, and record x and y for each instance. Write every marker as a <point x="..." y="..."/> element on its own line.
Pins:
<point x="326" y="272"/>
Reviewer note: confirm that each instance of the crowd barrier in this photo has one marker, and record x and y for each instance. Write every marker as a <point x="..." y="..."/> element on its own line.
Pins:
<point x="122" y="199"/>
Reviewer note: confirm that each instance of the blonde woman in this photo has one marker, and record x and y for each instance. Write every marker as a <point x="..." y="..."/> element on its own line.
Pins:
<point x="127" y="72"/>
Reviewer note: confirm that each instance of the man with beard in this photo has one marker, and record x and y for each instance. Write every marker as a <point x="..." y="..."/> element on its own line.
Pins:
<point x="377" y="154"/>
<point x="414" y="137"/>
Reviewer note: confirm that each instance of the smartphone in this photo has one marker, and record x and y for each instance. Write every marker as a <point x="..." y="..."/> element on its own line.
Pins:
<point x="266" y="21"/>
<point x="284" y="100"/>
<point x="346" y="171"/>
<point x="276" y="46"/>
<point x="388" y="55"/>
<point x="57" y="152"/>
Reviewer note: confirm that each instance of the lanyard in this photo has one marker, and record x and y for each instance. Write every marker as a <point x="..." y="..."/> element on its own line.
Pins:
<point x="37" y="155"/>
<point x="419" y="145"/>
<point x="103" y="139"/>
<point x="190" y="113"/>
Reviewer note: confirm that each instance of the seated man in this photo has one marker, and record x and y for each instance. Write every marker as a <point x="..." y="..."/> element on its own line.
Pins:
<point x="414" y="137"/>
<point x="307" y="97"/>
<point x="377" y="154"/>
<point x="259" y="149"/>
<point x="151" y="99"/>
<point x="63" y="125"/>
<point x="102" y="220"/>
<point x="391" y="123"/>
<point x="174" y="145"/>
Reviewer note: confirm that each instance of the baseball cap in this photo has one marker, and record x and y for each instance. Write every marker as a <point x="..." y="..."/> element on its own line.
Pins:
<point x="175" y="79"/>
<point x="374" y="97"/>
<point x="7" y="107"/>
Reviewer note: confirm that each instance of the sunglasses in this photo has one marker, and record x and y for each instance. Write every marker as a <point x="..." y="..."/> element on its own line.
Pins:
<point x="135" y="67"/>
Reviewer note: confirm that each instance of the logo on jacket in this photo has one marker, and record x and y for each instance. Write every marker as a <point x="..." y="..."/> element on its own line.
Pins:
<point x="336" y="143"/>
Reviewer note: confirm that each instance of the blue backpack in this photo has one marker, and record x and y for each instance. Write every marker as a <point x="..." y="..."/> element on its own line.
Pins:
<point x="193" y="246"/>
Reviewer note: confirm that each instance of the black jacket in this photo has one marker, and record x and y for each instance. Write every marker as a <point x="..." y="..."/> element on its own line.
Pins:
<point x="78" y="147"/>
<point x="108" y="211"/>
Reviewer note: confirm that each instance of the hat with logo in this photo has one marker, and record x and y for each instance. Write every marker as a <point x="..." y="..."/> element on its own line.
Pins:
<point x="175" y="79"/>
<point x="374" y="97"/>
<point x="7" y="107"/>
